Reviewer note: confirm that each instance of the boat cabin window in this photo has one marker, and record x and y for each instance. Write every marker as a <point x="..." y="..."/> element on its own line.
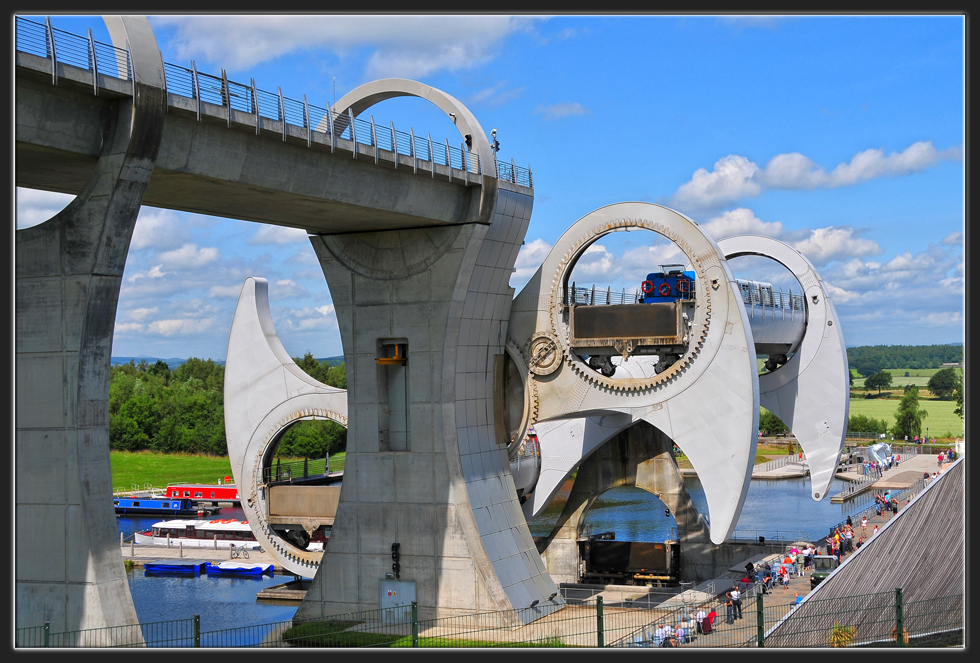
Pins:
<point x="212" y="493"/>
<point x="136" y="503"/>
<point x="198" y="494"/>
<point x="187" y="493"/>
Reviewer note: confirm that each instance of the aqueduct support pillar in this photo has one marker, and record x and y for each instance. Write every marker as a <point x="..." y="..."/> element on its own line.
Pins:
<point x="68" y="274"/>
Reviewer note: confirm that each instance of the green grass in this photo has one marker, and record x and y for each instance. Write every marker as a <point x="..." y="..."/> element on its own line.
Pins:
<point x="147" y="469"/>
<point x="940" y="418"/>
<point x="918" y="377"/>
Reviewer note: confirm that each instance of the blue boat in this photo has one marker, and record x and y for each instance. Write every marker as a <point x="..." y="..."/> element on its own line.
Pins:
<point x="238" y="569"/>
<point x="149" y="506"/>
<point x="173" y="567"/>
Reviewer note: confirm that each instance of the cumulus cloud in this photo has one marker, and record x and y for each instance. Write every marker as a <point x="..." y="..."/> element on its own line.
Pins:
<point x="558" y="111"/>
<point x="731" y="180"/>
<point x="176" y="326"/>
<point x="530" y="257"/>
<point x="827" y="244"/>
<point x="735" y="178"/>
<point x="189" y="256"/>
<point x="158" y="229"/>
<point x="35" y="206"/>
<point x="278" y="235"/>
<point x="410" y="46"/>
<point x="741" y="221"/>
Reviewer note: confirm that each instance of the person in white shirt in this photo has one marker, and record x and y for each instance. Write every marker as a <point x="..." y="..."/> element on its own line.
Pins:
<point x="700" y="617"/>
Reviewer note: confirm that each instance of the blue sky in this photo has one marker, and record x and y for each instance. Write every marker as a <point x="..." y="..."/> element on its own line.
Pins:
<point x="840" y="135"/>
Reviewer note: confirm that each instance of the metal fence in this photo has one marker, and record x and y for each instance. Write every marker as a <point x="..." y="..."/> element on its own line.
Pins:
<point x="58" y="46"/>
<point x="767" y="621"/>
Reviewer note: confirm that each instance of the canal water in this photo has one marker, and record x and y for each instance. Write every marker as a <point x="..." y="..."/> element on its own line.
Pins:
<point x="774" y="509"/>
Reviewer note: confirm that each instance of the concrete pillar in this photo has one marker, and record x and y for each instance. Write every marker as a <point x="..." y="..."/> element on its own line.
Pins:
<point x="69" y="269"/>
<point x="426" y="462"/>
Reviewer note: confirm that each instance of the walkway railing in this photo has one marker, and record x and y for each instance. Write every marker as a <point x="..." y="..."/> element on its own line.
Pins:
<point x="867" y="620"/>
<point x="42" y="40"/>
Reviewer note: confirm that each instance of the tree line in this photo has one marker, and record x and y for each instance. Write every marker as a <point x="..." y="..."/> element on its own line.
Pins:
<point x="870" y="359"/>
<point x="154" y="408"/>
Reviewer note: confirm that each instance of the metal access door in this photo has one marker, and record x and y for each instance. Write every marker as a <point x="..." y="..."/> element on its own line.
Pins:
<point x="396" y="601"/>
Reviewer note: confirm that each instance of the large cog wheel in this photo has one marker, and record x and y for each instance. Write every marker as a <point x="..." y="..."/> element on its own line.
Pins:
<point x="702" y="317"/>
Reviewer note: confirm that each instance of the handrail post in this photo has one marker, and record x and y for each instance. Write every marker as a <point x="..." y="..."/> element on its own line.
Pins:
<point x="415" y="624"/>
<point x="226" y="94"/>
<point x="306" y="121"/>
<point x="394" y="145"/>
<point x="330" y="128"/>
<point x="513" y="172"/>
<point x="432" y="155"/>
<point x="353" y="130"/>
<point x="282" y="112"/>
<point x="600" y="635"/>
<point x="374" y="139"/>
<point x="196" y="88"/>
<point x="255" y="105"/>
<point x="449" y="161"/>
<point x="49" y="42"/>
<point x="415" y="154"/>
<point x="464" y="163"/>
<point x="94" y="64"/>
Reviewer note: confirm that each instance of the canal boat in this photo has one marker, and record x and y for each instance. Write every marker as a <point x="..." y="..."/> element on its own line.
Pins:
<point x="238" y="569"/>
<point x="199" y="533"/>
<point x="204" y="492"/>
<point x="137" y="505"/>
<point x="173" y="567"/>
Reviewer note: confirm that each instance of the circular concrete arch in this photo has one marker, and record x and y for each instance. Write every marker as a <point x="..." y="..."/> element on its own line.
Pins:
<point x="361" y="98"/>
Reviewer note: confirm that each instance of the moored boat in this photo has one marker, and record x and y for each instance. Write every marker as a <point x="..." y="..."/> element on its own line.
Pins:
<point x="137" y="505"/>
<point x="238" y="569"/>
<point x="197" y="533"/>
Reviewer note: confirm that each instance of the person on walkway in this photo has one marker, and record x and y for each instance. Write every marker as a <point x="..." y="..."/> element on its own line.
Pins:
<point x="849" y="541"/>
<point x="699" y="618"/>
<point x="799" y="599"/>
<point x="709" y="621"/>
<point x="737" y="601"/>
<point x="799" y="564"/>
<point x="864" y="524"/>
<point x="729" y="609"/>
<point x="849" y="523"/>
<point x="860" y="542"/>
<point x="875" y="531"/>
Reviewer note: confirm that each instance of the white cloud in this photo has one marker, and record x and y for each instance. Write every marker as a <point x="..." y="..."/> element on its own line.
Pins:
<point x="140" y="314"/>
<point x="225" y="291"/>
<point x="278" y="235"/>
<point x="558" y="111"/>
<point x="740" y="221"/>
<point x="409" y="46"/>
<point x="731" y="180"/>
<point x="735" y="178"/>
<point x="530" y="257"/>
<point x="35" y="206"/>
<point x="828" y="244"/>
<point x="158" y="229"/>
<point x="495" y="96"/>
<point x="180" y="326"/>
<point x="189" y="256"/>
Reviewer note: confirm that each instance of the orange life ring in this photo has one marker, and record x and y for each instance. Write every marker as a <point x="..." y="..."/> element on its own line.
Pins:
<point x="664" y="289"/>
<point x="683" y="285"/>
<point x="646" y="287"/>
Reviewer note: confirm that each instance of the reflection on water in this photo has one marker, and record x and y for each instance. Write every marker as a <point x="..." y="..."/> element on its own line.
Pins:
<point x="771" y="508"/>
<point x="222" y="602"/>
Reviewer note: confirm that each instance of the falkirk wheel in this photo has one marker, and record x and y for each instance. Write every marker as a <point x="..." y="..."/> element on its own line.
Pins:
<point x="695" y="381"/>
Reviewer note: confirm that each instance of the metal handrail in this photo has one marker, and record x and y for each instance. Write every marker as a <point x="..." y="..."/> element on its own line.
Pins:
<point x="67" y="48"/>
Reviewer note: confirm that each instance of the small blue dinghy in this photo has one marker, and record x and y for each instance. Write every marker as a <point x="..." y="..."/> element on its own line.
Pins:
<point x="238" y="569"/>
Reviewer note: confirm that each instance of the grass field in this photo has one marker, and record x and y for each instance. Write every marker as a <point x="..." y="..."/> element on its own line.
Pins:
<point x="918" y="377"/>
<point x="146" y="469"/>
<point x="940" y="418"/>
